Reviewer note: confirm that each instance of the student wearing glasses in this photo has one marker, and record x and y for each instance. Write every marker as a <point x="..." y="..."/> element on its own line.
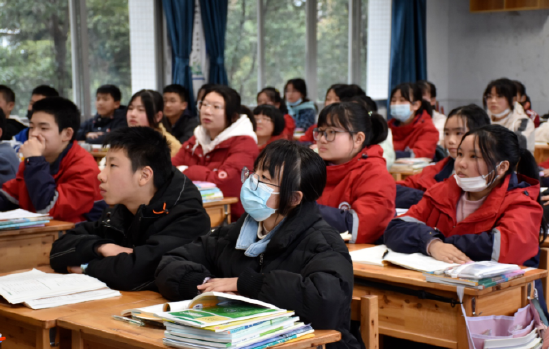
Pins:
<point x="270" y="124"/>
<point x="359" y="195"/>
<point x="281" y="251"/>
<point x="221" y="145"/>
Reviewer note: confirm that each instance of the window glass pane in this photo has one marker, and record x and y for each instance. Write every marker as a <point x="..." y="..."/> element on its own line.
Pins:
<point x="364" y="16"/>
<point x="285" y="41"/>
<point x="332" y="44"/>
<point x="109" y="47"/>
<point x="241" y="49"/>
<point x="35" y="48"/>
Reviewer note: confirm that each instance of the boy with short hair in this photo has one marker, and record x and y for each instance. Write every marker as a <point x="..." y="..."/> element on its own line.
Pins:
<point x="110" y="116"/>
<point x="177" y="112"/>
<point x="7" y="103"/>
<point x="57" y="176"/>
<point x="154" y="209"/>
<point x="9" y="162"/>
<point x="39" y="93"/>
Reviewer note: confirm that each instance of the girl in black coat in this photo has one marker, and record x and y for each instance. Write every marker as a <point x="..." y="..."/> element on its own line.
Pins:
<point x="281" y="252"/>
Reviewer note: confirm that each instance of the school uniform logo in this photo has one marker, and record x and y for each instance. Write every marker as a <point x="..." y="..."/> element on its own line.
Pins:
<point x="345" y="206"/>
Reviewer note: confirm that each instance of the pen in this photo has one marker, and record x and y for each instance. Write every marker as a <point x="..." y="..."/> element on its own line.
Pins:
<point x="127" y="320"/>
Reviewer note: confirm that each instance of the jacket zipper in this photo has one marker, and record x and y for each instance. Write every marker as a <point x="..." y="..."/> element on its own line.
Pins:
<point x="261" y="262"/>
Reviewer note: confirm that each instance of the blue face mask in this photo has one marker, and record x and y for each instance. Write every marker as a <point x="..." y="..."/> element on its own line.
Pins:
<point x="255" y="201"/>
<point x="295" y="103"/>
<point x="401" y="112"/>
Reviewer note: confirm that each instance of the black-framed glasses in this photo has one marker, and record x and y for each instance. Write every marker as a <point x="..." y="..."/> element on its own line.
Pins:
<point x="330" y="135"/>
<point x="254" y="179"/>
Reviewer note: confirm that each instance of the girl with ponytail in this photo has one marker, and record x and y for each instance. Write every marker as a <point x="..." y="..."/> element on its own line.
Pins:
<point x="489" y="209"/>
<point x="359" y="195"/>
<point x="414" y="133"/>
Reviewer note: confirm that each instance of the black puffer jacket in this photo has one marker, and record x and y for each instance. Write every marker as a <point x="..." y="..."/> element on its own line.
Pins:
<point x="153" y="231"/>
<point x="306" y="268"/>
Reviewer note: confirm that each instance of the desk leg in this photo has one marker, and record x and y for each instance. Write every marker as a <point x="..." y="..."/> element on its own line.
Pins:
<point x="462" y="334"/>
<point x="76" y="340"/>
<point x="42" y="338"/>
<point x="227" y="213"/>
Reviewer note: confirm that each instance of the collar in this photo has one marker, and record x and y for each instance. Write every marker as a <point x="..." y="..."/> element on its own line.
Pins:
<point x="446" y="171"/>
<point x="241" y="127"/>
<point x="335" y="173"/>
<point x="248" y="238"/>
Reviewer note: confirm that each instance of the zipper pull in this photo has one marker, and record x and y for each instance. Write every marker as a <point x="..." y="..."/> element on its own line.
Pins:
<point x="261" y="262"/>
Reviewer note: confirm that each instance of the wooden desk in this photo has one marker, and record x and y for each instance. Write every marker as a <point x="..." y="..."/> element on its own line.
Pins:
<point x="30" y="247"/>
<point x="220" y="211"/>
<point x="543" y="264"/>
<point x="27" y="328"/>
<point x="401" y="174"/>
<point x="98" y="155"/>
<point x="434" y="322"/>
<point x="97" y="330"/>
<point x="541" y="152"/>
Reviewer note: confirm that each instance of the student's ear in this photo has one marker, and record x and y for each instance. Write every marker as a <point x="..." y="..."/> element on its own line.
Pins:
<point x="359" y="139"/>
<point x="416" y="105"/>
<point x="503" y="168"/>
<point x="184" y="105"/>
<point x="10" y="107"/>
<point x="277" y="105"/>
<point x="67" y="134"/>
<point x="1" y="131"/>
<point x="159" y="116"/>
<point x="296" y="198"/>
<point x="145" y="176"/>
<point x="117" y="104"/>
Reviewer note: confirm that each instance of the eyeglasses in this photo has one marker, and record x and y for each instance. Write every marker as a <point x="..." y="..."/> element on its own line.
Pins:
<point x="254" y="179"/>
<point x="330" y="135"/>
<point x="204" y="105"/>
<point x="262" y="119"/>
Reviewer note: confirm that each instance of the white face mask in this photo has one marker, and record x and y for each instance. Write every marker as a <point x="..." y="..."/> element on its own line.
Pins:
<point x="499" y="115"/>
<point x="475" y="184"/>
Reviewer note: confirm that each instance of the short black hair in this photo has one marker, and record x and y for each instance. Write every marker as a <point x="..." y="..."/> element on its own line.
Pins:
<point x="427" y="86"/>
<point x="365" y="101"/>
<point x="413" y="93"/>
<point x="275" y="115"/>
<point x="275" y="96"/>
<point x="300" y="85"/>
<point x="45" y="90"/>
<point x="302" y="170"/>
<point x="505" y="88"/>
<point x="179" y="90"/>
<point x="232" y="101"/>
<point x="110" y="90"/>
<point x="520" y="88"/>
<point x="472" y="115"/>
<point x="202" y="90"/>
<point x="144" y="147"/>
<point x="65" y="112"/>
<point x="9" y="95"/>
<point x="2" y="121"/>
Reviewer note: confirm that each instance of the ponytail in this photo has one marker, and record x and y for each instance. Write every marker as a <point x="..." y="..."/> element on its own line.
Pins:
<point x="425" y="106"/>
<point x="379" y="128"/>
<point x="527" y="165"/>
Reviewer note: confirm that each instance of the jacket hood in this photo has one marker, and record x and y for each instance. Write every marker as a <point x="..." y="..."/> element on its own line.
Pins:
<point x="335" y="173"/>
<point x="241" y="127"/>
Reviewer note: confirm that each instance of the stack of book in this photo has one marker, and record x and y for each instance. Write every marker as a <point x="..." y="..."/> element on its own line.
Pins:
<point x="219" y="320"/>
<point x="39" y="290"/>
<point x="18" y="219"/>
<point x="478" y="275"/>
<point x="410" y="164"/>
<point x="209" y="191"/>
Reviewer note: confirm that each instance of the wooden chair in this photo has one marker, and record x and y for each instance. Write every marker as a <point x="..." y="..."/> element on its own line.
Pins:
<point x="365" y="310"/>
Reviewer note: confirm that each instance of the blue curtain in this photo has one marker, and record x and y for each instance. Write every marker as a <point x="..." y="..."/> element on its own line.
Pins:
<point x="179" y="19"/>
<point x="214" y="22"/>
<point x="408" y="42"/>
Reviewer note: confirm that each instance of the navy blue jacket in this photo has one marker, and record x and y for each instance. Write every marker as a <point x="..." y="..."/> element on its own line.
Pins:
<point x="99" y="124"/>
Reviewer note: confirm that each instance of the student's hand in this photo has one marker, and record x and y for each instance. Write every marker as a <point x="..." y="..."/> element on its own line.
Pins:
<point x="545" y="200"/>
<point x="447" y="253"/>
<point x="33" y="147"/>
<point x="94" y="135"/>
<point x="228" y="285"/>
<point x="545" y="172"/>
<point x="111" y="250"/>
<point x="74" y="270"/>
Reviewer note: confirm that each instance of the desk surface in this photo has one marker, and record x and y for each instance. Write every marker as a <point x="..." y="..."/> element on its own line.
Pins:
<point x="52" y="226"/>
<point x="225" y="201"/>
<point x="47" y="318"/>
<point x="400" y="275"/>
<point x="100" y="327"/>
<point x="405" y="171"/>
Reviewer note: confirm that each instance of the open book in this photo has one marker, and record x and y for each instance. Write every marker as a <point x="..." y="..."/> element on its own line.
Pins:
<point x="45" y="290"/>
<point x="381" y="255"/>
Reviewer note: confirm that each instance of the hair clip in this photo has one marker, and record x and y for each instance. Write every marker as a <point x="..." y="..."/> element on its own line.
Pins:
<point x="370" y="113"/>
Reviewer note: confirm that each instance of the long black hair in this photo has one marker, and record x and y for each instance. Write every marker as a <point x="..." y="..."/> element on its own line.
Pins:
<point x="152" y="105"/>
<point x="232" y="101"/>
<point x="504" y="87"/>
<point x="413" y="93"/>
<point x="353" y="118"/>
<point x="275" y="96"/>
<point x="298" y="169"/>
<point x="471" y="115"/>
<point x="274" y="114"/>
<point x="300" y="85"/>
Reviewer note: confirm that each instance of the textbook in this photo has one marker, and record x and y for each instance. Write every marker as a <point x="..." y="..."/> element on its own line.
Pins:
<point x="209" y="191"/>
<point x="479" y="284"/>
<point x="217" y="308"/>
<point x="39" y="290"/>
<point x="481" y="270"/>
<point x="19" y="218"/>
<point x="381" y="255"/>
<point x="410" y="164"/>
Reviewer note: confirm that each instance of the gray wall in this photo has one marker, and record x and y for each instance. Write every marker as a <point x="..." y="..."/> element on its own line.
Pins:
<point x="468" y="50"/>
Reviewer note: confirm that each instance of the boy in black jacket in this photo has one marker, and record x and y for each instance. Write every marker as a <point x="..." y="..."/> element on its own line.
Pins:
<point x="110" y="116"/>
<point x="156" y="209"/>
<point x="176" y="110"/>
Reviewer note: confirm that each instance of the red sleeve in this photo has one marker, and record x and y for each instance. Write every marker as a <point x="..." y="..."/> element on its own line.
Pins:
<point x="374" y="206"/>
<point x="426" y="143"/>
<point x="242" y="152"/>
<point x="11" y="187"/>
<point x="290" y="125"/>
<point x="183" y="157"/>
<point x="422" y="210"/>
<point x="308" y="136"/>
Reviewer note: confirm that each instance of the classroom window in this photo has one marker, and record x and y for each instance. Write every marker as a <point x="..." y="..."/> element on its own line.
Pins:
<point x="109" y="47"/>
<point x="35" y="48"/>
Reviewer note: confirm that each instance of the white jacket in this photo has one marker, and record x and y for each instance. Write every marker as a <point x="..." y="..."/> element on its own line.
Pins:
<point x="521" y="124"/>
<point x="241" y="127"/>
